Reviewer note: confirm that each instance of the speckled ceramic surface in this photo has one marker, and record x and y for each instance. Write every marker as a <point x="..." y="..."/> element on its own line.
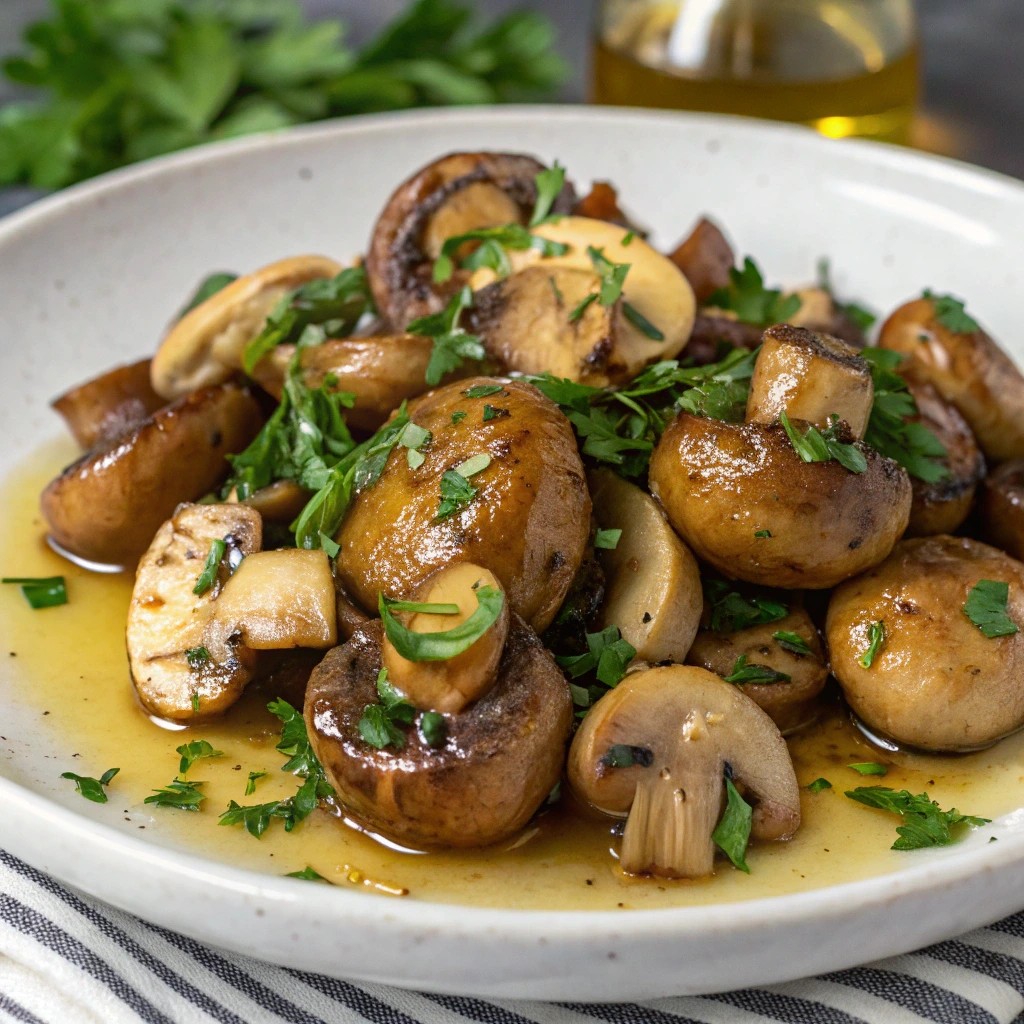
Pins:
<point x="85" y="279"/>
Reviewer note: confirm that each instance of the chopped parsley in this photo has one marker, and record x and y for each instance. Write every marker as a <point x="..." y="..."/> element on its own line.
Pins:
<point x="612" y="275"/>
<point x="641" y="323"/>
<point x="762" y="534"/>
<point x="456" y="490"/>
<point x="792" y="642"/>
<point x="731" y="612"/>
<point x="951" y="312"/>
<point x="92" y="789"/>
<point x="549" y="184"/>
<point x="445" y="644"/>
<point x="434" y="729"/>
<point x="747" y="297"/>
<point x="459" y="415"/>
<point x="307" y="874"/>
<point x="608" y="656"/>
<point x="412" y="438"/>
<point x="581" y="307"/>
<point x="819" y="784"/>
<point x="986" y="608"/>
<point x="197" y="657"/>
<point x="212" y="566"/>
<point x="195" y="701"/>
<point x="627" y="238"/>
<point x="379" y="723"/>
<point x="179" y="794"/>
<point x="876" y="640"/>
<point x="732" y="834"/>
<point x="193" y="751"/>
<point x="41" y="592"/>
<point x="869" y="768"/>
<point x="250" y="783"/>
<point x="452" y="345"/>
<point x="607" y="540"/>
<point x="208" y="287"/>
<point x="744" y="673"/>
<point x="483" y="390"/>
<point x="822" y="445"/>
<point x="491" y="413"/>
<point x="924" y="822"/>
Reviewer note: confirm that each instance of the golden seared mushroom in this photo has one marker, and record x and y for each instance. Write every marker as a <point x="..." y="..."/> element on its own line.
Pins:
<point x="501" y="484"/>
<point x="705" y="257"/>
<point x="810" y="377"/>
<point x="460" y="192"/>
<point x="279" y="502"/>
<point x="781" y="666"/>
<point x="532" y="324"/>
<point x="743" y="499"/>
<point x="943" y="505"/>
<point x="1001" y="508"/>
<point x="182" y="669"/>
<point x="427" y="779"/>
<point x="926" y="645"/>
<point x="105" y="407"/>
<point x="660" y="747"/>
<point x="653" y="583"/>
<point x="967" y="367"/>
<point x="106" y="506"/>
<point x="205" y="346"/>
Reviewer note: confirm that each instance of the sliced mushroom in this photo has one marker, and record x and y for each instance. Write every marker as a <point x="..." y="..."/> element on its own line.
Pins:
<point x="103" y="409"/>
<point x="943" y="506"/>
<point x="743" y="500"/>
<point x="279" y="502"/>
<point x="206" y="345"/>
<point x="494" y="764"/>
<point x="460" y="192"/>
<point x="527" y="521"/>
<point x="1001" y="508"/>
<point x="686" y="730"/>
<point x="936" y="682"/>
<point x="705" y="257"/>
<point x="653" y="583"/>
<point x="107" y="506"/>
<point x="451" y="684"/>
<point x="789" y="702"/>
<point x="968" y="369"/>
<point x="183" y="670"/>
<point x="810" y="377"/>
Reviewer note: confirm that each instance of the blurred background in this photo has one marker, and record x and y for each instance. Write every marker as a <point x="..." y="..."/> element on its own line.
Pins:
<point x="100" y="83"/>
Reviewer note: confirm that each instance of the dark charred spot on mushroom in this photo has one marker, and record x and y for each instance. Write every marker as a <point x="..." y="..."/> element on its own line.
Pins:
<point x="624" y="755"/>
<point x="855" y="543"/>
<point x="647" y="617"/>
<point x="556" y="561"/>
<point x="216" y="439"/>
<point x="908" y="608"/>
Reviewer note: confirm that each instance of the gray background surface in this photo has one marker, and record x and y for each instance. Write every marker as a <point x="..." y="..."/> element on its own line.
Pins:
<point x="974" y="60"/>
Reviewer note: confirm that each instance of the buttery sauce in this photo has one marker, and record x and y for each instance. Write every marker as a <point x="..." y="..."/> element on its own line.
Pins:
<point x="69" y="665"/>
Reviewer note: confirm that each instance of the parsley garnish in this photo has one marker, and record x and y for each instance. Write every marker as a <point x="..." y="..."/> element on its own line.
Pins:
<point x="581" y="307"/>
<point x="483" y="390"/>
<point x="193" y="751"/>
<point x="434" y="728"/>
<point x="641" y="323"/>
<point x="747" y="297"/>
<point x="456" y="490"/>
<point x="490" y="413"/>
<point x="549" y="184"/>
<point x="197" y="656"/>
<point x="44" y="592"/>
<point x="458" y="416"/>
<point x="378" y="725"/>
<point x="986" y="608"/>
<point x="307" y="874"/>
<point x="819" y="784"/>
<point x="446" y="643"/>
<point x="733" y="832"/>
<point x="208" y="287"/>
<point x="952" y="313"/>
<point x="792" y="642"/>
<point x="822" y="445"/>
<point x="744" y="673"/>
<point x="608" y="657"/>
<point x="92" y="789"/>
<point x="185" y="796"/>
<point x="607" y="540"/>
<point x="876" y="638"/>
<point x="452" y="345"/>
<point x="250" y="783"/>
<point x="731" y="612"/>
<point x="612" y="275"/>
<point x="762" y="534"/>
<point x="924" y="822"/>
<point x="210" y="569"/>
<point x="869" y="768"/>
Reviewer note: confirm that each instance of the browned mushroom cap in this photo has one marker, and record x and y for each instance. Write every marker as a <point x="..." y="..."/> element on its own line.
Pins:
<point x="107" y="506"/>
<point x="942" y="507"/>
<point x="789" y="702"/>
<point x="104" y="408"/>
<point x="810" y="377"/>
<point x="937" y="682"/>
<point x="460" y="192"/>
<point x="498" y="761"/>
<point x="602" y="203"/>
<point x="968" y="369"/>
<point x="279" y="502"/>
<point x="527" y="522"/>
<point x="724" y="484"/>
<point x="705" y="257"/>
<point x="1001" y="508"/>
<point x="685" y="729"/>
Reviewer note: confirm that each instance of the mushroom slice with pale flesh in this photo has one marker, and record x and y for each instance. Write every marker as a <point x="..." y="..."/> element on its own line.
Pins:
<point x="966" y="366"/>
<point x="106" y="506"/>
<point x="927" y="647"/>
<point x="653" y="583"/>
<point x="460" y="192"/>
<point x="206" y="345"/>
<point x="182" y="669"/>
<point x="1001" y="508"/>
<point x="659" y="748"/>
<point x="811" y="377"/>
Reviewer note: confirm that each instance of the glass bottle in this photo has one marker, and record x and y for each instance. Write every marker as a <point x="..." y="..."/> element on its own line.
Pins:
<point x="845" y="67"/>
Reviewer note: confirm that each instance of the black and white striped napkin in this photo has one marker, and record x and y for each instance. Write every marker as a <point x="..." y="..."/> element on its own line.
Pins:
<point x="66" y="959"/>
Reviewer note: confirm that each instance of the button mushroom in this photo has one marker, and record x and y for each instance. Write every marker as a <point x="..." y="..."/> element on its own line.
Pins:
<point x="1001" y="508"/>
<point x="460" y="192"/>
<point x="205" y="346"/>
<point x="653" y="583"/>
<point x="966" y="366"/>
<point x="683" y="731"/>
<point x="490" y="767"/>
<point x="742" y="498"/>
<point x="931" y="676"/>
<point x="788" y="648"/>
<point x="523" y="513"/>
<point x="107" y="505"/>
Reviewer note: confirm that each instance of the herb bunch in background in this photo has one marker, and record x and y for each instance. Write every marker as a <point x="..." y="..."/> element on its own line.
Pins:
<point x="123" y="80"/>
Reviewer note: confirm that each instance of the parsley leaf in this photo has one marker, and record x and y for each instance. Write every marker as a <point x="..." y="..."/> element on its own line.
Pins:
<point x="211" y="567"/>
<point x="48" y="592"/>
<point x="483" y="390"/>
<point x="869" y="768"/>
<point x="876" y="638"/>
<point x="819" y="784"/>
<point x="549" y="184"/>
<point x="744" y="673"/>
<point x="250" y="783"/>
<point x="452" y="345"/>
<point x="747" y="297"/>
<point x="608" y="656"/>
<point x="732" y="833"/>
<point x="307" y="874"/>
<point x="952" y="313"/>
<point x="924" y="822"/>
<point x="197" y="656"/>
<point x="607" y="540"/>
<point x="206" y="290"/>
<point x="193" y="751"/>
<point x="456" y="490"/>
<point x="447" y="643"/>
<point x="434" y="729"/>
<point x="185" y="796"/>
<point x="256" y="818"/>
<point x="641" y="323"/>
<point x="493" y="250"/>
<point x="731" y="612"/>
<point x="92" y="789"/>
<point x="986" y="608"/>
<point x="792" y="642"/>
<point x="612" y="275"/>
<point x="822" y="445"/>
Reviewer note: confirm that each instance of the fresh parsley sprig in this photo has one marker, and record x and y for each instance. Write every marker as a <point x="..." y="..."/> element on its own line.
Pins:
<point x="92" y="789"/>
<point x="379" y="724"/>
<point x="731" y="611"/>
<point x="452" y="345"/>
<point x="816" y="445"/>
<point x="951" y="312"/>
<point x="732" y="834"/>
<point x="876" y="640"/>
<point x="608" y="656"/>
<point x="792" y="642"/>
<point x="744" y="673"/>
<point x="747" y="297"/>
<point x="924" y="822"/>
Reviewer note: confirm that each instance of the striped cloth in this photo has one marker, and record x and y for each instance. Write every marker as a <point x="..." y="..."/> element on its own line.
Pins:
<point x="66" y="959"/>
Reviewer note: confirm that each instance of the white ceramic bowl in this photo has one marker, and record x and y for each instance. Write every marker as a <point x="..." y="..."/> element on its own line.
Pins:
<point x="85" y="278"/>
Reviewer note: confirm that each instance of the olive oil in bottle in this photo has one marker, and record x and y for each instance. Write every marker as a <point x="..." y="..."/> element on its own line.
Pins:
<point x="844" y="67"/>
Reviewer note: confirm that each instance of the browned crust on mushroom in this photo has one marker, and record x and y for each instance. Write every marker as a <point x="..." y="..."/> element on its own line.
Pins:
<point x="705" y="257"/>
<point x="1001" y="508"/>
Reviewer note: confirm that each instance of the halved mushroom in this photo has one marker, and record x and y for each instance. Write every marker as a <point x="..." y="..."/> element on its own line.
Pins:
<point x="182" y="669"/>
<point x="104" y="408"/>
<point x="206" y="345"/>
<point x="789" y="699"/>
<point x="810" y="377"/>
<point x="705" y="257"/>
<point x="1001" y="508"/>
<point x="943" y="506"/>
<point x="453" y="683"/>
<point x="686" y="731"/>
<point x="744" y="501"/>
<point x="968" y="369"/>
<point x="935" y="681"/>
<point x="460" y="192"/>
<point x="653" y="583"/>
<point x="526" y="519"/>
<point x="279" y="502"/>
<point x="107" y="505"/>
<point x="494" y="762"/>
